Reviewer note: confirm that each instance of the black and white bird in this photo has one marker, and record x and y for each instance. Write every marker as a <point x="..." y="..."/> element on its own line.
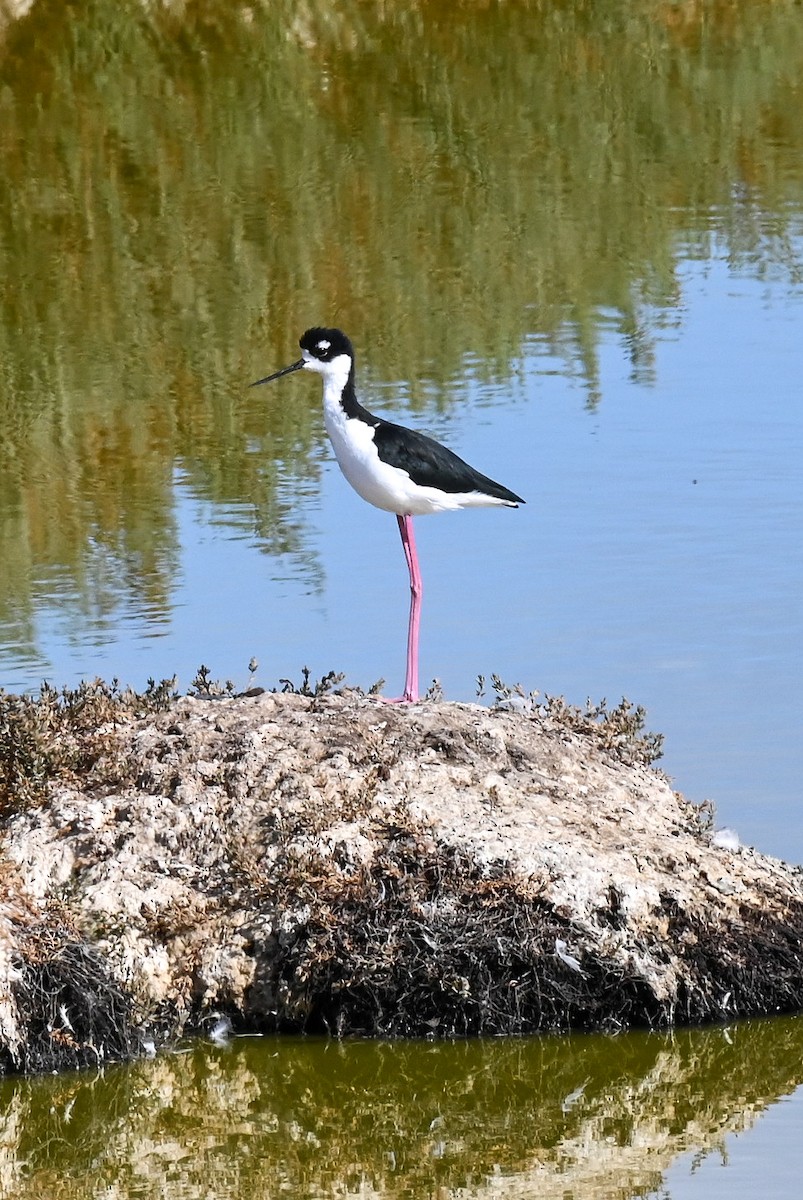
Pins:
<point x="393" y="468"/>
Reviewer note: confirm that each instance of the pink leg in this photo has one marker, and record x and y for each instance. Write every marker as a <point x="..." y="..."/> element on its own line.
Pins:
<point x="411" y="678"/>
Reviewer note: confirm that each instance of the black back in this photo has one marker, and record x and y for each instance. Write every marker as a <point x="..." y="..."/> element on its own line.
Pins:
<point x="427" y="462"/>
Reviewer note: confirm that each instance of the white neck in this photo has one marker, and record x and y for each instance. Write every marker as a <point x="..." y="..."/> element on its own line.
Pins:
<point x="335" y="377"/>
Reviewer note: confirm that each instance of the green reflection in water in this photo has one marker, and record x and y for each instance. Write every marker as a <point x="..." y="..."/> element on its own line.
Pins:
<point x="186" y="189"/>
<point x="589" y="1116"/>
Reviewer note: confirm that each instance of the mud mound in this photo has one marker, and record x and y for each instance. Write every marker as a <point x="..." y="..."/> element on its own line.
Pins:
<point x="329" y="863"/>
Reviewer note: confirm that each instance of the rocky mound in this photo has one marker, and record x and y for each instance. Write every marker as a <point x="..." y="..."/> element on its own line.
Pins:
<point x="330" y="863"/>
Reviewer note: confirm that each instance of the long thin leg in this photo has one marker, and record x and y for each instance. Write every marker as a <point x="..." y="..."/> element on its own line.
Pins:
<point x="416" y="590"/>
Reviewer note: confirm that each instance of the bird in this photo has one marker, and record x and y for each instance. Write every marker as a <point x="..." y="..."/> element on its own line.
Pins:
<point x="390" y="466"/>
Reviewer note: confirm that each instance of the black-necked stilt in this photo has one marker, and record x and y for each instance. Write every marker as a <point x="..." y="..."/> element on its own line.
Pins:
<point x="396" y="469"/>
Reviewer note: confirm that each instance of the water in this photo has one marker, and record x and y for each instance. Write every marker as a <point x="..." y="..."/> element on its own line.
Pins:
<point x="761" y="1162"/>
<point x="566" y="240"/>
<point x="579" y="1116"/>
<point x="658" y="557"/>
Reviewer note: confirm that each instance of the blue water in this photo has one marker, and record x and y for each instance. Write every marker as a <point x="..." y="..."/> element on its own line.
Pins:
<point x="764" y="1161"/>
<point x="659" y="557"/>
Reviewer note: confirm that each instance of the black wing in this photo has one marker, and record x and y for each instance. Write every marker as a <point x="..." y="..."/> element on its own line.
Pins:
<point x="429" y="464"/>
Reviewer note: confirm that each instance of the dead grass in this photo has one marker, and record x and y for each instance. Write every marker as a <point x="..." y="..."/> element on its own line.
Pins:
<point x="317" y="862"/>
<point x="73" y="1014"/>
<point x="65" y="734"/>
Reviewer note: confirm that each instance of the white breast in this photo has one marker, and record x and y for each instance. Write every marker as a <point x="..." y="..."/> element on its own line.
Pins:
<point x="353" y="443"/>
<point x="386" y="487"/>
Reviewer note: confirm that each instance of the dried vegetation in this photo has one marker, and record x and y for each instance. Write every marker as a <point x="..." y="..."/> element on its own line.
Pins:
<point x="308" y="860"/>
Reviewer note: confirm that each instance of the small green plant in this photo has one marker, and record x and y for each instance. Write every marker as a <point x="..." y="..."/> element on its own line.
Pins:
<point x="505" y="691"/>
<point x="705" y="815"/>
<point x="65" y="733"/>
<point x="24" y="761"/>
<point x="620" y="730"/>
<point x="203" y="685"/>
<point x="323" y="687"/>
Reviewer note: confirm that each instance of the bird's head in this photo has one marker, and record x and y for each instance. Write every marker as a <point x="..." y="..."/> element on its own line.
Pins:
<point x="327" y="351"/>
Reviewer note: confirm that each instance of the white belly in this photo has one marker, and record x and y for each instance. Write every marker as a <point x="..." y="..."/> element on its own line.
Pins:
<point x="386" y="487"/>
<point x="383" y="486"/>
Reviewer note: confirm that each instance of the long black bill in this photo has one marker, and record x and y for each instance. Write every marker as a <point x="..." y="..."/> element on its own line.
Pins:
<point x="296" y="366"/>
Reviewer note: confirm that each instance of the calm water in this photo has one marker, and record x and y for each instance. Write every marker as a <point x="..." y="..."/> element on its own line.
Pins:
<point x="566" y="239"/>
<point x="581" y="1117"/>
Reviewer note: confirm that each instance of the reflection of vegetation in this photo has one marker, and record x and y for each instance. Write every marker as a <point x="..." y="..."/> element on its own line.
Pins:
<point x="306" y="1118"/>
<point x="184" y="194"/>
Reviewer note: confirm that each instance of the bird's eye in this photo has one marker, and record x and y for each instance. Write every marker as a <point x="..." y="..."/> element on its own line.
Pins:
<point x="322" y="346"/>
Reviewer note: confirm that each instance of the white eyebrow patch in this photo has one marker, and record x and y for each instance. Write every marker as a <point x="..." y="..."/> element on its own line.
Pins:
<point x="322" y="345"/>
